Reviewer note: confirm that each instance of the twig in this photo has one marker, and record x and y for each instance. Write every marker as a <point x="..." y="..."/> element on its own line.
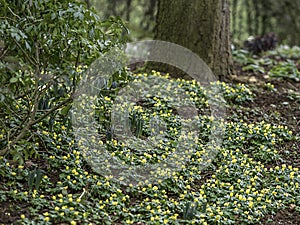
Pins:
<point x="31" y="123"/>
<point x="52" y="110"/>
<point x="4" y="52"/>
<point x="13" y="13"/>
<point x="7" y="18"/>
<point x="82" y="193"/>
<point x="26" y="55"/>
<point x="37" y="55"/>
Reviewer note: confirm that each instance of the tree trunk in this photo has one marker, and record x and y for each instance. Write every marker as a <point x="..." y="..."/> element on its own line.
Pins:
<point x="88" y="4"/>
<point x="234" y="16"/>
<point x="249" y="18"/>
<point x="201" y="26"/>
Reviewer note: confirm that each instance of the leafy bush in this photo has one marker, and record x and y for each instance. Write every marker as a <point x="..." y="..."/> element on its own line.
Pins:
<point x="43" y="50"/>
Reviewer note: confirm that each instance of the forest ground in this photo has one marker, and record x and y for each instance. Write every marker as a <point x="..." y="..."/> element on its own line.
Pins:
<point x="274" y="107"/>
<point x="281" y="106"/>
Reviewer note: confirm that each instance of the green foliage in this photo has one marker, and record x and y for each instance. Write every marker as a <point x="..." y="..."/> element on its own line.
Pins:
<point x="242" y="57"/>
<point x="189" y="210"/>
<point x="286" y="52"/>
<point x="280" y="63"/>
<point x="139" y="15"/>
<point x="35" y="178"/>
<point x="44" y="48"/>
<point x="236" y="188"/>
<point x="294" y="95"/>
<point x="286" y="69"/>
<point x="255" y="68"/>
<point x="236" y="94"/>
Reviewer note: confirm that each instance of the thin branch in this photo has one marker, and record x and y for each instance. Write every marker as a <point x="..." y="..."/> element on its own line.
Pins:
<point x="7" y="18"/>
<point x="31" y="115"/>
<point x="4" y="52"/>
<point x="26" y="55"/>
<point x="77" y="59"/>
<point x="11" y="110"/>
<point x="33" y="122"/>
<point x="13" y="13"/>
<point x="37" y="55"/>
<point x="52" y="110"/>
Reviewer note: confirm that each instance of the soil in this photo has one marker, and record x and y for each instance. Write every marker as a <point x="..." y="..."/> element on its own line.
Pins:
<point x="283" y="217"/>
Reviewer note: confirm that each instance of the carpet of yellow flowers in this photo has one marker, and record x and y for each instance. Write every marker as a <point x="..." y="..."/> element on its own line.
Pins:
<point x="253" y="177"/>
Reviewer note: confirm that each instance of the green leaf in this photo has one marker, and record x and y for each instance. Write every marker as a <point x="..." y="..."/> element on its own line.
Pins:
<point x="79" y="15"/>
<point x="13" y="80"/>
<point x="54" y="32"/>
<point x="65" y="110"/>
<point x="27" y="46"/>
<point x="30" y="179"/>
<point x="11" y="59"/>
<point x="39" y="176"/>
<point x="53" y="16"/>
<point x="2" y="97"/>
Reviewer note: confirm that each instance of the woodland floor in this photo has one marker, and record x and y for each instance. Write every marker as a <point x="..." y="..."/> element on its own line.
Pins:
<point x="272" y="107"/>
<point x="275" y="107"/>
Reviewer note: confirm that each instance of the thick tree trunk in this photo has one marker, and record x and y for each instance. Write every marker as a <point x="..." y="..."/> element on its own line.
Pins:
<point x="199" y="25"/>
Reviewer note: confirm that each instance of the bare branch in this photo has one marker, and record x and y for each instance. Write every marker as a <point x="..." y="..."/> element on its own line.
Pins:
<point x="33" y="122"/>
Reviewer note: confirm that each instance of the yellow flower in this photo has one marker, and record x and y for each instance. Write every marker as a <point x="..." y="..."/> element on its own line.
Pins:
<point x="129" y="221"/>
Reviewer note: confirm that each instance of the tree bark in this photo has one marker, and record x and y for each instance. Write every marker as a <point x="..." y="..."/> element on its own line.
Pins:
<point x="88" y="4"/>
<point x="234" y="15"/>
<point x="201" y="26"/>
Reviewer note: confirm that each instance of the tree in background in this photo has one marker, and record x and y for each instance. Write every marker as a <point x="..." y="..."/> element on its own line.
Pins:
<point x="201" y="26"/>
<point x="256" y="17"/>
<point x="139" y="14"/>
<point x="249" y="17"/>
<point x="288" y="21"/>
